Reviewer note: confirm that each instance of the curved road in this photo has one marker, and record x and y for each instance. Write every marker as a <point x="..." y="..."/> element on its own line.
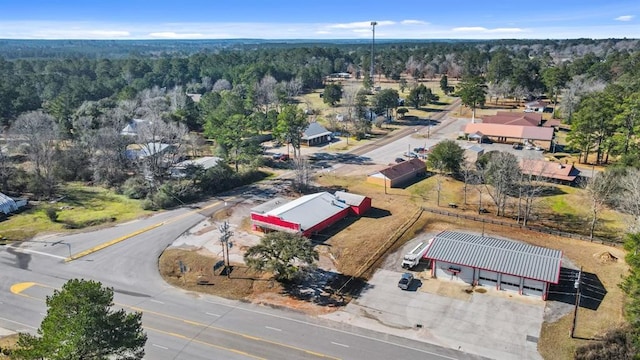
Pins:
<point x="180" y="324"/>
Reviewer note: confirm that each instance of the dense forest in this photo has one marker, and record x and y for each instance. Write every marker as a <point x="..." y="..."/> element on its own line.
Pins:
<point x="83" y="88"/>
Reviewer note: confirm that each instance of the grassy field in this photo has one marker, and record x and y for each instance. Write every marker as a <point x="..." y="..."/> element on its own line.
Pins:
<point x="79" y="206"/>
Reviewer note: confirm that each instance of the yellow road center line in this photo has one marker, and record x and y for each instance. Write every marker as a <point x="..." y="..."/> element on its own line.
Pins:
<point x="18" y="288"/>
<point x="236" y="333"/>
<point x="138" y="232"/>
<point x="236" y="351"/>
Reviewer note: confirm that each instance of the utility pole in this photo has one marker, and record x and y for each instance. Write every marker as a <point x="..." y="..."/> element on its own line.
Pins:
<point x="576" y="285"/>
<point x="224" y="240"/>
<point x="373" y="43"/>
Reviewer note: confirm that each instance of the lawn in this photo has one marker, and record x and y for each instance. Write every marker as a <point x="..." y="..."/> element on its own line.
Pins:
<point x="78" y="206"/>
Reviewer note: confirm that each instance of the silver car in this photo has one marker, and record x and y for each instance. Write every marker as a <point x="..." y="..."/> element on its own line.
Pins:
<point x="405" y="281"/>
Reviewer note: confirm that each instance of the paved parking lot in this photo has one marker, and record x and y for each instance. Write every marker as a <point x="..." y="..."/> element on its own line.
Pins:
<point x="492" y="324"/>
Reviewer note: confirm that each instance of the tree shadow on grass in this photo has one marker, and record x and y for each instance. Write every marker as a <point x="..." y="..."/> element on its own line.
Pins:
<point x="326" y="288"/>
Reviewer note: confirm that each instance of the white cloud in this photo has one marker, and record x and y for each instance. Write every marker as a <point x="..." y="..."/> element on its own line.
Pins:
<point x="174" y="35"/>
<point x="625" y="18"/>
<point x="413" y="22"/>
<point x="355" y="30"/>
<point x="480" y="29"/>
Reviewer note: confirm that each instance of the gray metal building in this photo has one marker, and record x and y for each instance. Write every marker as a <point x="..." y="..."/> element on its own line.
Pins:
<point x="485" y="261"/>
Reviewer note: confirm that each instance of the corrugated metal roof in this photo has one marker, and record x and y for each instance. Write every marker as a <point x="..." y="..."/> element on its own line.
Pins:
<point x="269" y="205"/>
<point x="7" y="204"/>
<point x="503" y="256"/>
<point x="350" y="198"/>
<point x="309" y="210"/>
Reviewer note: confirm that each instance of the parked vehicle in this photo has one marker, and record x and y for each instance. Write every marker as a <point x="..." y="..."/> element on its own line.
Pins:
<point x="412" y="258"/>
<point x="405" y="281"/>
<point x="399" y="160"/>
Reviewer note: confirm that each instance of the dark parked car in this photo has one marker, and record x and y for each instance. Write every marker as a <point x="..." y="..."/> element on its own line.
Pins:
<point x="399" y="160"/>
<point x="405" y="281"/>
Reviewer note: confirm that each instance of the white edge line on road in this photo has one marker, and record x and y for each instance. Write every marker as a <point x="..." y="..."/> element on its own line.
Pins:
<point x="272" y="328"/>
<point x="354" y="334"/>
<point x="160" y="346"/>
<point x="343" y="345"/>
<point x="212" y="314"/>
<point x="19" y="323"/>
<point x="156" y="301"/>
<point x="40" y="253"/>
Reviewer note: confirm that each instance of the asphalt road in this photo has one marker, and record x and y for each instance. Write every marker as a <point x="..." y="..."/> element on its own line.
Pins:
<point x="179" y="324"/>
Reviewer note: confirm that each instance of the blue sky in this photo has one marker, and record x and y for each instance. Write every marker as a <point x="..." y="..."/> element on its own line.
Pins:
<point x="318" y="19"/>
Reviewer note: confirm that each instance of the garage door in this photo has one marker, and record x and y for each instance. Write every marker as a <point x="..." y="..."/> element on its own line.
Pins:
<point x="510" y="283"/>
<point x="533" y="288"/>
<point x="487" y="278"/>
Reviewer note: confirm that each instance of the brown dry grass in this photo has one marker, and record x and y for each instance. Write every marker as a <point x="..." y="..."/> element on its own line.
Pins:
<point x="8" y="342"/>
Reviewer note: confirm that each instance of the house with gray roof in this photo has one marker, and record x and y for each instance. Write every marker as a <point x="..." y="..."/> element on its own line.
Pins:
<point x="315" y="134"/>
<point x="486" y="261"/>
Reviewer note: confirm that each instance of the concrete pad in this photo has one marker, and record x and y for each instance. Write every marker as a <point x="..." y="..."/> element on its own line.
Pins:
<point x="494" y="324"/>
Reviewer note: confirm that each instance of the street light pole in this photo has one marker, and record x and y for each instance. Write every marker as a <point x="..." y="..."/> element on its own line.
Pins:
<point x="373" y="43"/>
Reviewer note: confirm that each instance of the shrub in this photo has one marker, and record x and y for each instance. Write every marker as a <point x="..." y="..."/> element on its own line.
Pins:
<point x="135" y="188"/>
<point x="52" y="214"/>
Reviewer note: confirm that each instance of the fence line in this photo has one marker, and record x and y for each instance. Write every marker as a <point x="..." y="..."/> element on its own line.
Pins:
<point x="519" y="226"/>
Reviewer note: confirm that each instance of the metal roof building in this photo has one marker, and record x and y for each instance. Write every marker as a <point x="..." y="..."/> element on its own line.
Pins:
<point x="507" y="265"/>
<point x="308" y="214"/>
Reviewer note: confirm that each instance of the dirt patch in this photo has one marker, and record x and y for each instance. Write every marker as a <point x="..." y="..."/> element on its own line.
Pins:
<point x="606" y="257"/>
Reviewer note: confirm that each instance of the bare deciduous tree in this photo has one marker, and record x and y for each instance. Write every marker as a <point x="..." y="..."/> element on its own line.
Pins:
<point x="220" y="85"/>
<point x="40" y="132"/>
<point x="629" y="197"/>
<point x="501" y="177"/>
<point x="530" y="187"/>
<point x="6" y="170"/>
<point x="161" y="145"/>
<point x="302" y="171"/>
<point x="467" y="171"/>
<point x="598" y="190"/>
